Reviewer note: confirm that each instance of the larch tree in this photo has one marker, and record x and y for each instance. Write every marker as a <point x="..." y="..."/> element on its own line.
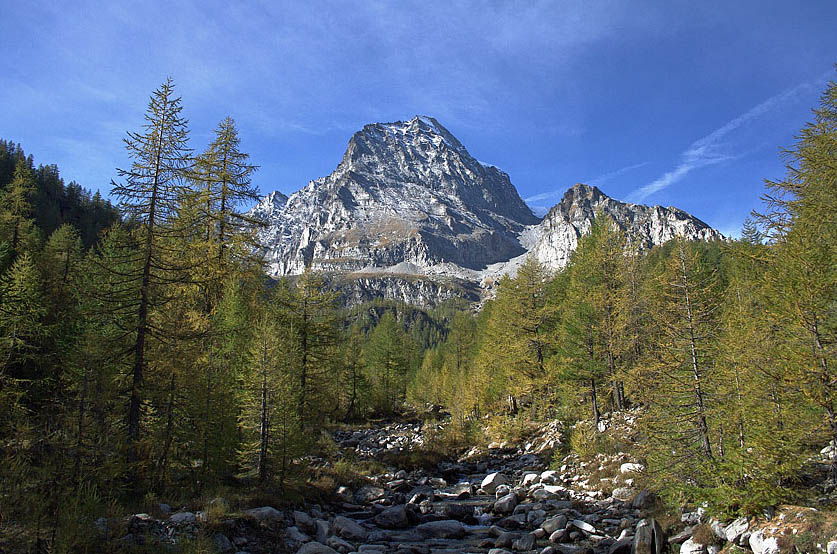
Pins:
<point x="150" y="194"/>
<point x="16" y="215"/>
<point x="309" y="309"/>
<point x="680" y="381"/>
<point x="800" y="220"/>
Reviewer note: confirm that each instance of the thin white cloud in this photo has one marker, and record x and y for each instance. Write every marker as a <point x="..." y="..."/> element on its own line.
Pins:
<point x="709" y="150"/>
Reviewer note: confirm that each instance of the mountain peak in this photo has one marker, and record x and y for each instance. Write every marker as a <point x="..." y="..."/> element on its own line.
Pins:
<point x="581" y="191"/>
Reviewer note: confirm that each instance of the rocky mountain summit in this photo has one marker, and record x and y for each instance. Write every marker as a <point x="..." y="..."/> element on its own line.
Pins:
<point x="406" y="197"/>
<point x="407" y="200"/>
<point x="556" y="237"/>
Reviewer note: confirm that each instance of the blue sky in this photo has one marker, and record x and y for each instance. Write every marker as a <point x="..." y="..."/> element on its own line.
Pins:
<point x="668" y="102"/>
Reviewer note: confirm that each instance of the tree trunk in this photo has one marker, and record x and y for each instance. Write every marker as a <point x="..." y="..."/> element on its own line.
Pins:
<point x="594" y="401"/>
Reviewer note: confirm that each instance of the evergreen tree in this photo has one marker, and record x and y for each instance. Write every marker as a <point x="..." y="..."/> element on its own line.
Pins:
<point x="309" y="309"/>
<point x="680" y="381"/>
<point x="150" y="196"/>
<point x="269" y="418"/>
<point x="16" y="223"/>
<point x="386" y="364"/>
<point x="800" y="220"/>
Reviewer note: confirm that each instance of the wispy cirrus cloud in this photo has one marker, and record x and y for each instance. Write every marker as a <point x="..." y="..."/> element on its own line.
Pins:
<point x="712" y="149"/>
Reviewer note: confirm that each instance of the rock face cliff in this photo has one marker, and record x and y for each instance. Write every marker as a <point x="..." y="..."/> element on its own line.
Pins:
<point x="556" y="237"/>
<point x="406" y="197"/>
<point x="409" y="214"/>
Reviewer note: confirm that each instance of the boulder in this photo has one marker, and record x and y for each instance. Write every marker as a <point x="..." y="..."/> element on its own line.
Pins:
<point x="524" y="543"/>
<point x="340" y="545"/>
<point x="718" y="529"/>
<point x="222" y="543"/>
<point x="530" y="478"/>
<point x="763" y="545"/>
<point x="583" y="526"/>
<point x="631" y="468"/>
<point x="622" y="546"/>
<point x="294" y="534"/>
<point x="643" y="538"/>
<point x="349" y="530"/>
<point x="625" y="494"/>
<point x="735" y="529"/>
<point x="554" y="523"/>
<point x="492" y="481"/>
<point x="264" y="513"/>
<point x="550" y="477"/>
<point x="182" y="518"/>
<point x="692" y="547"/>
<point x="367" y="494"/>
<point x="394" y="517"/>
<point x="304" y="522"/>
<point x="315" y="548"/>
<point x="444" y="529"/>
<point x="506" y="504"/>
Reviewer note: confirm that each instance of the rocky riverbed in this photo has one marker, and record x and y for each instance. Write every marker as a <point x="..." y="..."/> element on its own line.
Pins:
<point x="500" y="500"/>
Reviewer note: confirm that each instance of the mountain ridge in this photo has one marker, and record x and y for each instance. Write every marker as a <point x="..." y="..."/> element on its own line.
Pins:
<point x="407" y="198"/>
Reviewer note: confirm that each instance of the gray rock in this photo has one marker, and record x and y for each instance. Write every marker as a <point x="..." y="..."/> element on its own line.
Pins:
<point x="367" y="494"/>
<point x="631" y="468"/>
<point x="502" y="491"/>
<point x="294" y="534"/>
<point x="506" y="539"/>
<point x="625" y="494"/>
<point x="831" y="548"/>
<point x="304" y="522"/>
<point x="338" y="544"/>
<point x="182" y="518"/>
<point x="394" y="517"/>
<point x="559" y="536"/>
<point x="222" y="543"/>
<point x="348" y="529"/>
<point x="316" y="548"/>
<point x="643" y="538"/>
<point x="323" y="531"/>
<point x="621" y="546"/>
<point x="735" y="529"/>
<point x="691" y="547"/>
<point x="264" y="513"/>
<point x="492" y="481"/>
<point x="525" y="542"/>
<point x="164" y="508"/>
<point x="583" y="526"/>
<point x="555" y="523"/>
<point x="444" y="529"/>
<point x="498" y="551"/>
<point x="644" y="500"/>
<point x="718" y="529"/>
<point x="506" y="504"/>
<point x="763" y="545"/>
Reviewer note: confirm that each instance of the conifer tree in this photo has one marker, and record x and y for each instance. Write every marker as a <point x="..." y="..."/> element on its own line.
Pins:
<point x="150" y="195"/>
<point x="680" y="382"/>
<point x="309" y="309"/>
<point x="386" y="364"/>
<point x="16" y="222"/>
<point x="800" y="220"/>
<point x="225" y="173"/>
<point x="270" y="397"/>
